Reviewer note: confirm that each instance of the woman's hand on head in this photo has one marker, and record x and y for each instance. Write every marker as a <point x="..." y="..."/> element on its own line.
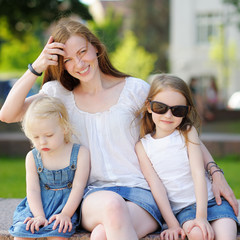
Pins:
<point x="49" y="55"/>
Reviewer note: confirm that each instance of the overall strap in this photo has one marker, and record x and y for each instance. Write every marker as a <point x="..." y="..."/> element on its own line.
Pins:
<point x="74" y="155"/>
<point x="38" y="160"/>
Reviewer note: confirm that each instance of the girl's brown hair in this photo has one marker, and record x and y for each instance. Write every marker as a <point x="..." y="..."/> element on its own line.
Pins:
<point x="159" y="83"/>
<point x="66" y="28"/>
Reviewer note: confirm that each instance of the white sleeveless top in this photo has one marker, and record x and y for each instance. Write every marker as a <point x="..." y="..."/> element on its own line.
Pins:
<point x="110" y="135"/>
<point x="169" y="158"/>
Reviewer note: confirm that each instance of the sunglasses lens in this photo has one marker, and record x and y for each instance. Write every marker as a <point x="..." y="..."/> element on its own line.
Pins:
<point x="180" y="111"/>
<point x="159" y="108"/>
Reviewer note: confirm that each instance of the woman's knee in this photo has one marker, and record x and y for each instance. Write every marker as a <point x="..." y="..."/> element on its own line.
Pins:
<point x="103" y="207"/>
<point x="115" y="203"/>
<point x="115" y="210"/>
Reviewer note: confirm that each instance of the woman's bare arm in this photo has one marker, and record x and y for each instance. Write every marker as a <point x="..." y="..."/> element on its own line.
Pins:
<point x="220" y="186"/>
<point x="17" y="102"/>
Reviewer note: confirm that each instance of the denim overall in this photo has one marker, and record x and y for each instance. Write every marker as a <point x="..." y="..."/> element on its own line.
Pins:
<point x="55" y="187"/>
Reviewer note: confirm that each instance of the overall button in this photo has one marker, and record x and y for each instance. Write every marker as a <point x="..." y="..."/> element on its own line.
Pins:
<point x="39" y="169"/>
<point x="46" y="187"/>
<point x="69" y="185"/>
<point x="73" y="167"/>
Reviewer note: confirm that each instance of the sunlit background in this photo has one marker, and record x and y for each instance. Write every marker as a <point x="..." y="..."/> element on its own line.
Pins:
<point x="197" y="40"/>
<point x="194" y="39"/>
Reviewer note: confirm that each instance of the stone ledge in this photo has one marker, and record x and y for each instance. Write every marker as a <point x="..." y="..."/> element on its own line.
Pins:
<point x="16" y="144"/>
<point x="7" y="207"/>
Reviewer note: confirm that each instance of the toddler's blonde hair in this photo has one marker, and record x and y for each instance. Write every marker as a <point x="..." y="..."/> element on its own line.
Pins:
<point x="46" y="107"/>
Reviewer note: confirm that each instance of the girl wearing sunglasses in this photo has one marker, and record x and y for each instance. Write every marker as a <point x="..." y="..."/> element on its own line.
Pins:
<point x="171" y="160"/>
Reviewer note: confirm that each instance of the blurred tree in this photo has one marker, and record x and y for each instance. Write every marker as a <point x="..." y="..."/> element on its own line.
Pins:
<point x="236" y="3"/>
<point x="224" y="54"/>
<point x="16" y="53"/>
<point x="124" y="50"/>
<point x="150" y="23"/>
<point x="28" y="15"/>
<point x="133" y="59"/>
<point x="109" y="30"/>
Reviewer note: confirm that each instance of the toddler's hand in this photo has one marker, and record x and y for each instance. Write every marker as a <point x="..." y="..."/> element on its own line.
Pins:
<point x="173" y="233"/>
<point x="35" y="222"/>
<point x="63" y="221"/>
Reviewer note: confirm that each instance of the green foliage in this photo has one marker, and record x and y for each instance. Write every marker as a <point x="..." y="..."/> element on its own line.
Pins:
<point x="133" y="59"/>
<point x="108" y="30"/>
<point x="223" y="53"/>
<point x="150" y="24"/>
<point x="28" y="15"/>
<point x="235" y="3"/>
<point x="16" y="54"/>
<point x="219" y="50"/>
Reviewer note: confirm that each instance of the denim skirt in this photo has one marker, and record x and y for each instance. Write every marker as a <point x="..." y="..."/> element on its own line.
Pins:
<point x="141" y="197"/>
<point x="214" y="212"/>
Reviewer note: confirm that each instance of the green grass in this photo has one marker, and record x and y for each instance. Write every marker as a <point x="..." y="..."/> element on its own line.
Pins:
<point x="231" y="168"/>
<point x="12" y="176"/>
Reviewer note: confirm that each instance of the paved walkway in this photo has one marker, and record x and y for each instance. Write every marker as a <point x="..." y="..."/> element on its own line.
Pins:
<point x="7" y="207"/>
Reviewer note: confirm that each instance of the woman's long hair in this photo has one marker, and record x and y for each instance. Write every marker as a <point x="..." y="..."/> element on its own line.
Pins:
<point x="64" y="29"/>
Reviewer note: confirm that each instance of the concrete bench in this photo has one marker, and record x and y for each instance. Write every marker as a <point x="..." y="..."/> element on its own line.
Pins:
<point x="218" y="144"/>
<point x="7" y="207"/>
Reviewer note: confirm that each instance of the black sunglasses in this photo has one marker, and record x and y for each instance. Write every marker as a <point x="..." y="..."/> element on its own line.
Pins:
<point x="161" y="108"/>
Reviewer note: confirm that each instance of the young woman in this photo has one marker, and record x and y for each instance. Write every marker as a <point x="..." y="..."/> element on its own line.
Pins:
<point x="57" y="171"/>
<point x="101" y="102"/>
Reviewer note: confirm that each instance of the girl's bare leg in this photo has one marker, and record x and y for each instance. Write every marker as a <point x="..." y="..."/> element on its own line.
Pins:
<point x="224" y="229"/>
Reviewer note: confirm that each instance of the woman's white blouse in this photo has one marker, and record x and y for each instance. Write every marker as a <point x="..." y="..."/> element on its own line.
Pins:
<point x="110" y="135"/>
